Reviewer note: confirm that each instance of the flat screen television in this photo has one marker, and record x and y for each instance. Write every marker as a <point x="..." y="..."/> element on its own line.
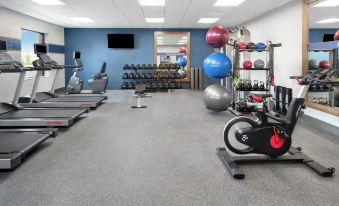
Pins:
<point x="122" y="41"/>
<point x="40" y="49"/>
<point x="328" y="37"/>
<point x="3" y="46"/>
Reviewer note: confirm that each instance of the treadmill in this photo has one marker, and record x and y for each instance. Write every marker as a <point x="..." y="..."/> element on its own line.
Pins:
<point x="50" y="98"/>
<point x="14" y="115"/>
<point x="15" y="144"/>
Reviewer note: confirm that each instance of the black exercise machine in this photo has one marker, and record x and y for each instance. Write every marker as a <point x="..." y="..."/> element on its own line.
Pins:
<point x="271" y="139"/>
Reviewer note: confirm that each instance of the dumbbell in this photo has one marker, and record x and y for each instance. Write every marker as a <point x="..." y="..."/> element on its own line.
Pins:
<point x="131" y="76"/>
<point x="171" y="66"/>
<point x="154" y="85"/>
<point x="166" y="86"/>
<point x="160" y="75"/>
<point x="143" y="66"/>
<point x="124" y="85"/>
<point x="248" y="85"/>
<point x="178" y="85"/>
<point x="143" y="75"/>
<point x="255" y="85"/>
<point x="137" y="66"/>
<point x="131" y="85"/>
<point x="172" y="75"/>
<point x="166" y="75"/>
<point x="155" y="66"/>
<point x="177" y="75"/>
<point x="149" y="66"/>
<point x="149" y="76"/>
<point x="148" y="85"/>
<point x="161" y="66"/>
<point x="172" y="85"/>
<point x="132" y="66"/>
<point x="137" y="76"/>
<point x="125" y="76"/>
<point x="160" y="85"/>
<point x="126" y="66"/>
<point x="262" y="85"/>
<point x="176" y="66"/>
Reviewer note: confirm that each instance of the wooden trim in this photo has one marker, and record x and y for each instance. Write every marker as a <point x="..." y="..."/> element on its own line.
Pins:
<point x="305" y="33"/>
<point x="323" y="108"/>
<point x="188" y="48"/>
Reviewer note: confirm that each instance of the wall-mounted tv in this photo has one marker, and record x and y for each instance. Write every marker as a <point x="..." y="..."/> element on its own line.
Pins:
<point x="124" y="41"/>
<point x="328" y="37"/>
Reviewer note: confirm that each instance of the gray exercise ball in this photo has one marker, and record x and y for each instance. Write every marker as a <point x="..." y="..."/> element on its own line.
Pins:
<point x="217" y="98"/>
<point x="182" y="73"/>
<point x="313" y="64"/>
<point x="259" y="64"/>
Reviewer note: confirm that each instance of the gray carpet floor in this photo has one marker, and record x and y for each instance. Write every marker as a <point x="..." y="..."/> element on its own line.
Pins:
<point x="163" y="155"/>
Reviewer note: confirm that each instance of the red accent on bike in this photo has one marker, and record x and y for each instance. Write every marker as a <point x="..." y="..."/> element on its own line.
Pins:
<point x="276" y="141"/>
<point x="54" y="123"/>
<point x="257" y="98"/>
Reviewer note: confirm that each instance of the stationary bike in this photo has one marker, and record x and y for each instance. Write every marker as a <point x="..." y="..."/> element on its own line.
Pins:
<point x="97" y="84"/>
<point x="272" y="139"/>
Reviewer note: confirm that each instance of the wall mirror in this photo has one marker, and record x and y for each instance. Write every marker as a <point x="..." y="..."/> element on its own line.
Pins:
<point x="323" y="49"/>
<point x="170" y="46"/>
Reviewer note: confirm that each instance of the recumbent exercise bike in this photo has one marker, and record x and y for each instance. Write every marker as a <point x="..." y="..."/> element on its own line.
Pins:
<point x="97" y="84"/>
<point x="272" y="139"/>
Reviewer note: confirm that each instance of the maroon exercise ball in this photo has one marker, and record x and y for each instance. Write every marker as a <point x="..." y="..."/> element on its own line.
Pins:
<point x="336" y="36"/>
<point x="247" y="64"/>
<point x="217" y="36"/>
<point x="324" y="64"/>
<point x="182" y="50"/>
<point x="242" y="45"/>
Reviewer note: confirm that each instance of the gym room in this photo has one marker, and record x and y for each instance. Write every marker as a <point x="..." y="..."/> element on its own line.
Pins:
<point x="169" y="102"/>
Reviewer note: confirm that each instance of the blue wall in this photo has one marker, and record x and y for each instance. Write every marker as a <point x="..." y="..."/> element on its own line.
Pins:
<point x="316" y="35"/>
<point x="93" y="46"/>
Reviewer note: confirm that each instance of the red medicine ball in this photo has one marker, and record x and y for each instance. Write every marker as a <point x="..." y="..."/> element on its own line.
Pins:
<point x="182" y="50"/>
<point x="324" y="64"/>
<point x="336" y="36"/>
<point x="247" y="64"/>
<point x="242" y="45"/>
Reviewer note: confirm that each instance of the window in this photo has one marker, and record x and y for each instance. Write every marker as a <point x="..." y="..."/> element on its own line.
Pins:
<point x="28" y="39"/>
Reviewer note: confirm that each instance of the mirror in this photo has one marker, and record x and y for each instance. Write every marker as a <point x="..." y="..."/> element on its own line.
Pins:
<point x="171" y="46"/>
<point x="323" y="49"/>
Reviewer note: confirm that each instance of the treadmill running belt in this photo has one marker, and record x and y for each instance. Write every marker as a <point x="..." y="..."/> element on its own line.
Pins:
<point x="75" y="99"/>
<point x="15" y="143"/>
<point x="32" y="113"/>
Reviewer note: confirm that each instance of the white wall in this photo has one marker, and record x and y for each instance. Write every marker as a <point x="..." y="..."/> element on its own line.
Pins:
<point x="11" y="24"/>
<point x="284" y="25"/>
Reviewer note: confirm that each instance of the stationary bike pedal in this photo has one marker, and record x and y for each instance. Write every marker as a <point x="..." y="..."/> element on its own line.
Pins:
<point x="331" y="169"/>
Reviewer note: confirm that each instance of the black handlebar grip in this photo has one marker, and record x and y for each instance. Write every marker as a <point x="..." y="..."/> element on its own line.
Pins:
<point x="295" y="77"/>
<point x="276" y="45"/>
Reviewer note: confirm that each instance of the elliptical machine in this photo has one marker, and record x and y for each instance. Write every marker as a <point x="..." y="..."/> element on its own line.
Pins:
<point x="243" y="135"/>
<point x="97" y="84"/>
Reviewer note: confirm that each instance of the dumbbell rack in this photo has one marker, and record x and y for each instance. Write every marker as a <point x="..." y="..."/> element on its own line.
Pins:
<point x="269" y="70"/>
<point x="156" y="82"/>
<point x="332" y="48"/>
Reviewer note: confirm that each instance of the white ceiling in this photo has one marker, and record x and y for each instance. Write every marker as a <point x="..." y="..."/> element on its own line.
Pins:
<point x="321" y="13"/>
<point x="129" y="14"/>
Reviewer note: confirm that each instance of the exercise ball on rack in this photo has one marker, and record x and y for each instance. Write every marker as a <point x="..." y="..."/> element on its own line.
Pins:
<point x="217" y="98"/>
<point x="313" y="64"/>
<point x="260" y="46"/>
<point x="242" y="45"/>
<point x="217" y="65"/>
<point x="217" y="36"/>
<point x="324" y="64"/>
<point x="259" y="64"/>
<point x="182" y="50"/>
<point x="336" y="36"/>
<point x="182" y="61"/>
<point x="247" y="64"/>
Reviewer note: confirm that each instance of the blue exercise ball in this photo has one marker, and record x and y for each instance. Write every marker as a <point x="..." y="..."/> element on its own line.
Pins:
<point x="217" y="65"/>
<point x="260" y="46"/>
<point x="182" y="61"/>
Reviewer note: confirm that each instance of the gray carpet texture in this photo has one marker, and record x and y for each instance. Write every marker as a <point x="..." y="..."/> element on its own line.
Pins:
<point x="163" y="155"/>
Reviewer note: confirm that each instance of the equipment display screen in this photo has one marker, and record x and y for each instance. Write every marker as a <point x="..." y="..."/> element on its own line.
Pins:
<point x="40" y="49"/>
<point x="77" y="55"/>
<point x="125" y="41"/>
<point x="3" y="46"/>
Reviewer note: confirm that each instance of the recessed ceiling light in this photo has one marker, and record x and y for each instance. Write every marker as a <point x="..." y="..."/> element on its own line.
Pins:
<point x="49" y="2"/>
<point x="82" y="19"/>
<point x="182" y="40"/>
<point x="326" y="21"/>
<point x="184" y="37"/>
<point x="179" y="43"/>
<point x="208" y="20"/>
<point x="228" y="3"/>
<point x="152" y="2"/>
<point x="160" y="43"/>
<point x="327" y="3"/>
<point x="155" y="20"/>
<point x="160" y="37"/>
